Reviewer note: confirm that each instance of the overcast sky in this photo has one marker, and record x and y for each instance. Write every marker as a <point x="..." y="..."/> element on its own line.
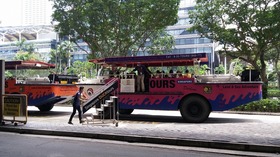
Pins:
<point x="10" y="12"/>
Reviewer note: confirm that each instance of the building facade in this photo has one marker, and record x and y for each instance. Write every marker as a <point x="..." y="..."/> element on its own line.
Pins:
<point x="189" y="41"/>
<point x="25" y="12"/>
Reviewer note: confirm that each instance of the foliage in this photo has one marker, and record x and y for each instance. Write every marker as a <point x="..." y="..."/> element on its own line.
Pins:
<point x="8" y="74"/>
<point x="25" y="56"/>
<point x="26" y="51"/>
<point x="272" y="76"/>
<point x="220" y="69"/>
<point x="27" y="73"/>
<point x="273" y="56"/>
<point x="113" y="27"/>
<point x="264" y="105"/>
<point x="160" y="42"/>
<point x="238" y="66"/>
<point x="245" y="28"/>
<point x="23" y="46"/>
<point x="53" y="56"/>
<point x="274" y="93"/>
<point x="83" y="69"/>
<point x="62" y="55"/>
<point x="203" y="69"/>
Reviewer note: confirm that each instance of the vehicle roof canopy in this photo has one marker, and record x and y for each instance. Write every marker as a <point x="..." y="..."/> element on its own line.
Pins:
<point x="13" y="65"/>
<point x="155" y="60"/>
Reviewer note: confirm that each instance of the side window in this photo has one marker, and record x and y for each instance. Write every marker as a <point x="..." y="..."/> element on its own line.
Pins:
<point x="105" y="72"/>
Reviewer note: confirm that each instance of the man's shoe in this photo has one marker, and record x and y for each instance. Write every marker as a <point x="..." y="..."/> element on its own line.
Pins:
<point x="70" y="123"/>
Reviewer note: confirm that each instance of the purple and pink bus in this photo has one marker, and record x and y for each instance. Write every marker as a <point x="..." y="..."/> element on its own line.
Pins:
<point x="141" y="86"/>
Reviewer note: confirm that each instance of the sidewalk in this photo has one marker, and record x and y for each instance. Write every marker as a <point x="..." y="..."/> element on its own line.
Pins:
<point x="246" y="133"/>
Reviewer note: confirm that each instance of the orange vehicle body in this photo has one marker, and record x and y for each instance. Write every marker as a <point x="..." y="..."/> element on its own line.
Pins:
<point x="41" y="92"/>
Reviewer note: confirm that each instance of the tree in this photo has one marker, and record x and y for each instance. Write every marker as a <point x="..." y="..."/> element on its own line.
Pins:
<point x="20" y="44"/>
<point x="26" y="51"/>
<point x="159" y="42"/>
<point x="273" y="56"/>
<point x="25" y="56"/>
<point x="82" y="69"/>
<point x="61" y="56"/>
<point x="23" y="46"/>
<point x="67" y="47"/>
<point x="246" y="28"/>
<point x="113" y="27"/>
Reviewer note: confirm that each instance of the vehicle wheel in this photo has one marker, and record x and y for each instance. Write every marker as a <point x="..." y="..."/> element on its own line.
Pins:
<point x="45" y="107"/>
<point x="195" y="109"/>
<point x="126" y="111"/>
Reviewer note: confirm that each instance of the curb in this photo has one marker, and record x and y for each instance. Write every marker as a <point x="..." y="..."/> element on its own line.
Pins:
<point x="252" y="113"/>
<point x="152" y="140"/>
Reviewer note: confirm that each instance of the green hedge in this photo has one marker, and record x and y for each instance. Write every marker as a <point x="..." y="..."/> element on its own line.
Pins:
<point x="264" y="105"/>
<point x="273" y="92"/>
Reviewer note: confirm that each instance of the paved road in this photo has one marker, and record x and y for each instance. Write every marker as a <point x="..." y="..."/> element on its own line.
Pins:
<point x="53" y="146"/>
<point x="221" y="130"/>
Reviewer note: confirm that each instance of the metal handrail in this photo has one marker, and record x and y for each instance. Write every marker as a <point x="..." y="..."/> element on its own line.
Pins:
<point x="94" y="98"/>
<point x="103" y="88"/>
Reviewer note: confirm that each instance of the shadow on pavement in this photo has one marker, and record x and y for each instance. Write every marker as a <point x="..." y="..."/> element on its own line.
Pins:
<point x="144" y="118"/>
<point x="47" y="114"/>
<point x="152" y="118"/>
<point x="178" y="119"/>
<point x="228" y="120"/>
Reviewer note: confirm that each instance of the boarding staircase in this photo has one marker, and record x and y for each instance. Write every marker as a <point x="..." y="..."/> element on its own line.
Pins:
<point x="104" y="102"/>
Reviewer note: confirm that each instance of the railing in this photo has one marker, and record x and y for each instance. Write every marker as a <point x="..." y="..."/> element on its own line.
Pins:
<point x="100" y="94"/>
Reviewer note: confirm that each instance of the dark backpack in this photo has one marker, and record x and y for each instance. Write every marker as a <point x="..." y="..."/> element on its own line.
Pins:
<point x="74" y="98"/>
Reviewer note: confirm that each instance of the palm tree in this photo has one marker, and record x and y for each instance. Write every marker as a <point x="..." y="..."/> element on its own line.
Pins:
<point x="61" y="56"/>
<point x="20" y="44"/>
<point x="26" y="51"/>
<point x="23" y="46"/>
<point x="67" y="47"/>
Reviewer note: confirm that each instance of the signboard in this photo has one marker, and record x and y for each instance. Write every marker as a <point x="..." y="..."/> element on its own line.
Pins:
<point x="127" y="85"/>
<point x="97" y="97"/>
<point x="156" y="57"/>
<point x="14" y="105"/>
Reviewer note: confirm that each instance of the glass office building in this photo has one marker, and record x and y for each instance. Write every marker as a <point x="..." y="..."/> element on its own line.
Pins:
<point x="189" y="41"/>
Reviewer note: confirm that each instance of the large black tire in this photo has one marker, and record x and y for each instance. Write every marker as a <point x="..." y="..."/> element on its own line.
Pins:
<point x="45" y="107"/>
<point x="126" y="111"/>
<point x="195" y="109"/>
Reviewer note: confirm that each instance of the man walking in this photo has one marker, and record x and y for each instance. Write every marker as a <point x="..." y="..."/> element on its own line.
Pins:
<point x="77" y="105"/>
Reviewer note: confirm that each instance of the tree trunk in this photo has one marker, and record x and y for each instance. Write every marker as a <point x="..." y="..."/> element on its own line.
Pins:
<point x="265" y="81"/>
<point x="264" y="90"/>
<point x="278" y="74"/>
<point x="263" y="76"/>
